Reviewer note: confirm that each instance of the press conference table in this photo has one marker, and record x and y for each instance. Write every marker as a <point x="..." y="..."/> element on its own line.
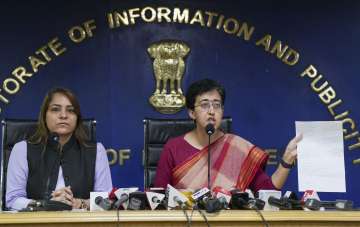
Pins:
<point x="177" y="218"/>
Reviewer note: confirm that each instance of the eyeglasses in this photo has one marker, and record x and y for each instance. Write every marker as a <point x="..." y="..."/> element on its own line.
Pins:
<point x="205" y="106"/>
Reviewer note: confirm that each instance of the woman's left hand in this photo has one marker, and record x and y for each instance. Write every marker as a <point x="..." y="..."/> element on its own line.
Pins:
<point x="63" y="195"/>
<point x="290" y="153"/>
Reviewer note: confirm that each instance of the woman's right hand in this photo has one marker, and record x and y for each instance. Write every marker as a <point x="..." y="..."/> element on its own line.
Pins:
<point x="63" y="195"/>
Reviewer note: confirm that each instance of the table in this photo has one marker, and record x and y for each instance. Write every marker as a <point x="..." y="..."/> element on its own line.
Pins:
<point x="176" y="218"/>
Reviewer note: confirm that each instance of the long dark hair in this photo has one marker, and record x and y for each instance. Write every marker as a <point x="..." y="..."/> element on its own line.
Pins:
<point x="42" y="132"/>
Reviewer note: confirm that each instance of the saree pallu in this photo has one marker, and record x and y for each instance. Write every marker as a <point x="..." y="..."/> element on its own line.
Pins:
<point x="234" y="163"/>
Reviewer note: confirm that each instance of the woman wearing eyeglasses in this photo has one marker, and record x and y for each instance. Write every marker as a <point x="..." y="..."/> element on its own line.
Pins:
<point x="235" y="162"/>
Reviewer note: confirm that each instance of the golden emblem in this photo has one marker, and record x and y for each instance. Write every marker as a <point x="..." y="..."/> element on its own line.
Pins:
<point x="169" y="67"/>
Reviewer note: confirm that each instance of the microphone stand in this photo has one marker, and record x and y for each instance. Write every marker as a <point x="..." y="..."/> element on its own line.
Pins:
<point x="52" y="138"/>
<point x="209" y="164"/>
<point x="209" y="130"/>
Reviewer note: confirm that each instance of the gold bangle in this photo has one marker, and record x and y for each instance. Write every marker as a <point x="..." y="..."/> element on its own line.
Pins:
<point x="83" y="204"/>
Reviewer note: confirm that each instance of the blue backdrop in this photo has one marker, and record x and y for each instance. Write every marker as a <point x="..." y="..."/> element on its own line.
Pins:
<point x="112" y="73"/>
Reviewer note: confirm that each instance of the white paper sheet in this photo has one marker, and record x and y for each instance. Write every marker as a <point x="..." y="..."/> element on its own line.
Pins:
<point x="320" y="162"/>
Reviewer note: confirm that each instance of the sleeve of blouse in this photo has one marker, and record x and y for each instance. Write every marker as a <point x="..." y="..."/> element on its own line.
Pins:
<point x="16" y="179"/>
<point x="103" y="182"/>
<point x="261" y="181"/>
<point x="165" y="165"/>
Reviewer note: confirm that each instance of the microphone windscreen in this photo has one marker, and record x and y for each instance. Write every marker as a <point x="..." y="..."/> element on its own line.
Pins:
<point x="256" y="204"/>
<point x="239" y="200"/>
<point x="103" y="203"/>
<point x="285" y="203"/>
<point x="213" y="205"/>
<point x="210" y="129"/>
<point x="275" y="201"/>
<point x="224" y="201"/>
<point x="344" y="204"/>
<point x="312" y="204"/>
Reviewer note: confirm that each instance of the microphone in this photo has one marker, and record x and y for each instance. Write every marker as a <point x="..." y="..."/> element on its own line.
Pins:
<point x="241" y="200"/>
<point x="103" y="203"/>
<point x="288" y="201"/>
<point x="285" y="203"/>
<point x="265" y="194"/>
<point x="209" y="130"/>
<point x="122" y="195"/>
<point x="123" y="198"/>
<point x="343" y="204"/>
<point x="180" y="202"/>
<point x="112" y="197"/>
<point x="204" y="200"/>
<point x="255" y="204"/>
<point x="314" y="204"/>
<point x="280" y="203"/>
<point x="201" y="198"/>
<point x="221" y="192"/>
<point x="213" y="205"/>
<point x="238" y="199"/>
<point x="54" y="137"/>
<point x="175" y="198"/>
